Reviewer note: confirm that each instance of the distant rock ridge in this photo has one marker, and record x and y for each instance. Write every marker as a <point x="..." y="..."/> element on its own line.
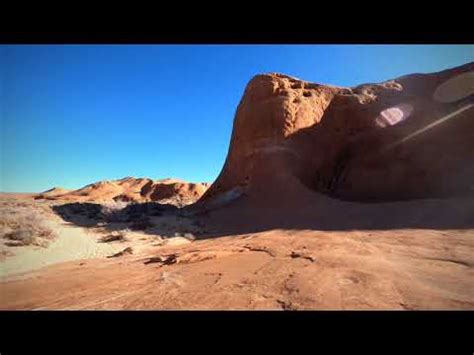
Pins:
<point x="407" y="138"/>
<point x="130" y="189"/>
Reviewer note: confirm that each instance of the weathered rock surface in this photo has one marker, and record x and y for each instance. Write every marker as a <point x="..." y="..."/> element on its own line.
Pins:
<point x="366" y="143"/>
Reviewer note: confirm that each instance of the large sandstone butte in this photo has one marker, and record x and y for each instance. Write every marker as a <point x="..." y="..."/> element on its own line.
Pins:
<point x="407" y="138"/>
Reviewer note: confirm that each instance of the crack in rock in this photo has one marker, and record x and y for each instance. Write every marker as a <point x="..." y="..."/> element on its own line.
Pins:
<point x="295" y="254"/>
<point x="260" y="249"/>
<point x="451" y="261"/>
<point x="128" y="250"/>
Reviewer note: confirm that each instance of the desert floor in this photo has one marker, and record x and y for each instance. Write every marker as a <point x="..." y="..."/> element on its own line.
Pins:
<point x="289" y="269"/>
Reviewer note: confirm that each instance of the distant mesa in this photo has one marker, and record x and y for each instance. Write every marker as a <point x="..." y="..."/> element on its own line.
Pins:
<point x="132" y="189"/>
<point x="54" y="192"/>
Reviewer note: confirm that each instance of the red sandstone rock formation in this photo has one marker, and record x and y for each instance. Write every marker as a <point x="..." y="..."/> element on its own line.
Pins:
<point x="411" y="137"/>
<point x="133" y="189"/>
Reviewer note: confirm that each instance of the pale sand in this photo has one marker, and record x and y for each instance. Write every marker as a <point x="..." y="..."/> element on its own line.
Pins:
<point x="72" y="243"/>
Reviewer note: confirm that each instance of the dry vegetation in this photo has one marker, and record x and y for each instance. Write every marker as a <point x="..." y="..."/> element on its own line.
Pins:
<point x="23" y="223"/>
<point x="113" y="237"/>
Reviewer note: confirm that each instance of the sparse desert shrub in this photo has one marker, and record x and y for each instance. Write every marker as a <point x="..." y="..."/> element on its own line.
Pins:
<point x="123" y="211"/>
<point x="113" y="206"/>
<point x="189" y="236"/>
<point x="23" y="223"/>
<point x="25" y="236"/>
<point x="5" y="254"/>
<point x="113" y="238"/>
<point x="101" y="214"/>
<point x="113" y="211"/>
<point x="148" y="209"/>
<point x="83" y="213"/>
<point x="186" y="235"/>
<point x="76" y="212"/>
<point x="141" y="224"/>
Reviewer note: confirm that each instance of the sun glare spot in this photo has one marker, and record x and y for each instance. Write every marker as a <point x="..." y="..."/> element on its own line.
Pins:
<point x="393" y="115"/>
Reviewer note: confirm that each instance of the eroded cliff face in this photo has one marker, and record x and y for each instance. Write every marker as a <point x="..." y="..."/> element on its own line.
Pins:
<point x="411" y="137"/>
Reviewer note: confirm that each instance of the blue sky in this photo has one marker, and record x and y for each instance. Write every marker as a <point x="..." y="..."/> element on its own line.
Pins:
<point x="75" y="114"/>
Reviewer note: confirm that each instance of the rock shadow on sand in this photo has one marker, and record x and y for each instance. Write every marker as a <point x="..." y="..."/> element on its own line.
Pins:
<point x="152" y="218"/>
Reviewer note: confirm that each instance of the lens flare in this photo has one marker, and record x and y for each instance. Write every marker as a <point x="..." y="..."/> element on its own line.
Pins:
<point x="431" y="125"/>
<point x="456" y="88"/>
<point x="393" y="115"/>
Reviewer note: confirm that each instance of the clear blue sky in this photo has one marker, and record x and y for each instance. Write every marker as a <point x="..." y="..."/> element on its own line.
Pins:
<point x="72" y="115"/>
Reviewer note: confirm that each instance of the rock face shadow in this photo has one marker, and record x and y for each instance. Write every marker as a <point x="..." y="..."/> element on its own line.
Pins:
<point x="323" y="213"/>
<point x="149" y="217"/>
<point x="239" y="217"/>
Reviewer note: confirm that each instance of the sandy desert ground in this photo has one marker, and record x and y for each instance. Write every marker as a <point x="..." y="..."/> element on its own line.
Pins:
<point x="281" y="268"/>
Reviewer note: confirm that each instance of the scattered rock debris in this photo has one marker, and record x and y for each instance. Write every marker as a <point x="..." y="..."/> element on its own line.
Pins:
<point x="127" y="250"/>
<point x="287" y="305"/>
<point x="295" y="254"/>
<point x="163" y="260"/>
<point x="112" y="238"/>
